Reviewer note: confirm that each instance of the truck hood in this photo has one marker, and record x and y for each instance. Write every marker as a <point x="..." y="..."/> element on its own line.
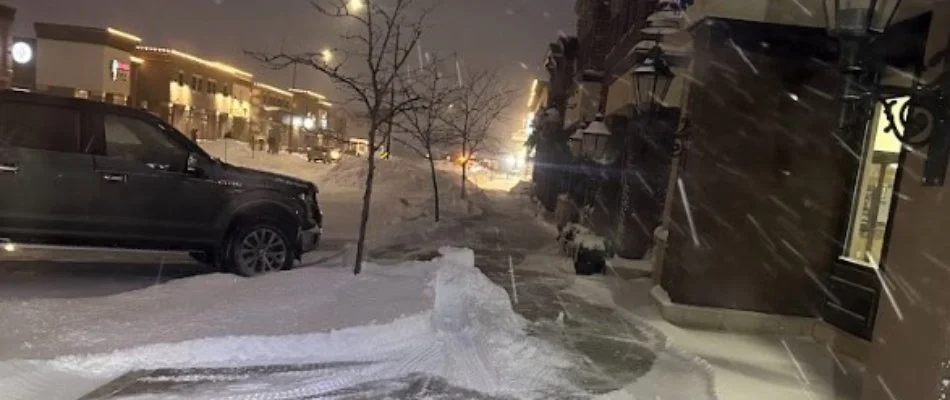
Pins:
<point x="254" y="177"/>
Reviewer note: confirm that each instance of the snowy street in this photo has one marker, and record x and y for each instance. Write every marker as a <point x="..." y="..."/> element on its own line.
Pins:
<point x="505" y="319"/>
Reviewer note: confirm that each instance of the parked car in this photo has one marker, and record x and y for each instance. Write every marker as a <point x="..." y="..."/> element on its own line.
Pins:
<point x="322" y="154"/>
<point x="99" y="175"/>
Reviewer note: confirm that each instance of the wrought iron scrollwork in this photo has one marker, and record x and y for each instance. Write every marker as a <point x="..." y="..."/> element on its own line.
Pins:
<point x="681" y="139"/>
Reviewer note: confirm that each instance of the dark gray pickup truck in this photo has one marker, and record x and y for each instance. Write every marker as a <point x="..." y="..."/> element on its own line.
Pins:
<point x="80" y="173"/>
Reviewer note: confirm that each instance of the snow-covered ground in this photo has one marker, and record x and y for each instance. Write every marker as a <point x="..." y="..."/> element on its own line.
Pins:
<point x="399" y="326"/>
<point x="442" y="318"/>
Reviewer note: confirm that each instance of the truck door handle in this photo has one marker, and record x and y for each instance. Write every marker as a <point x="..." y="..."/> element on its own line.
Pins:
<point x="13" y="168"/>
<point x="114" y="177"/>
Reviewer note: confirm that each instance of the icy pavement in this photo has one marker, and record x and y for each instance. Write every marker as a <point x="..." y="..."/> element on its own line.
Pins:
<point x="616" y="354"/>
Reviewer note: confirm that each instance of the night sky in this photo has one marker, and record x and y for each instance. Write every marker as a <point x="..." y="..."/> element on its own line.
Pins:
<point x="510" y="35"/>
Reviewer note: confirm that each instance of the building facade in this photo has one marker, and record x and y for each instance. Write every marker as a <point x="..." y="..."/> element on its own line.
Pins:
<point x="7" y="14"/>
<point x="311" y="122"/>
<point x="776" y="198"/>
<point x="203" y="98"/>
<point x="85" y="62"/>
<point x="271" y="110"/>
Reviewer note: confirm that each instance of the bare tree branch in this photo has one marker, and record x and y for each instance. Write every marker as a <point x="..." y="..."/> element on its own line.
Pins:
<point x="475" y="110"/>
<point x="369" y="64"/>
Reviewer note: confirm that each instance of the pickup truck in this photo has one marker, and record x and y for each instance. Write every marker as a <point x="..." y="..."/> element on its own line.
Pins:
<point x="80" y="173"/>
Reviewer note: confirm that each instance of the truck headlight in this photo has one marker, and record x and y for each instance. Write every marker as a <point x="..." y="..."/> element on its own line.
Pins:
<point x="335" y="154"/>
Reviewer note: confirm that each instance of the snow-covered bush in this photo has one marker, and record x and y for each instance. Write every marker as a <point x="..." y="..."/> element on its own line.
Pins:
<point x="588" y="250"/>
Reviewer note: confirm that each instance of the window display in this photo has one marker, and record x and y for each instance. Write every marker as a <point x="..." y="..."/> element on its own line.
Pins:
<point x="871" y="207"/>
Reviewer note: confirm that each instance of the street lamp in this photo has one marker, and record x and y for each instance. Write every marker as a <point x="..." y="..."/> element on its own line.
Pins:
<point x="652" y="78"/>
<point x="858" y="25"/>
<point x="576" y="142"/>
<point x="355" y="6"/>
<point x="860" y="17"/>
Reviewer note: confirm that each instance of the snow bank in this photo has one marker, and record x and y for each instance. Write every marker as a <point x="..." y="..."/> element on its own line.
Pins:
<point x="470" y="336"/>
<point x="403" y="186"/>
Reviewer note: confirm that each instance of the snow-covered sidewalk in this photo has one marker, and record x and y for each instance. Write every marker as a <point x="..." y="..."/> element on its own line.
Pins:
<point x="442" y="318"/>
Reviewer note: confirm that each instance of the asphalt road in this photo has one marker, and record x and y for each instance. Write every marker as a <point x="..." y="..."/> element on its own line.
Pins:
<point x="43" y="273"/>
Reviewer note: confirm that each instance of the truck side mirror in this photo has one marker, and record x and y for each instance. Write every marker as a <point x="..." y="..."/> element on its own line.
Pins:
<point x="193" y="166"/>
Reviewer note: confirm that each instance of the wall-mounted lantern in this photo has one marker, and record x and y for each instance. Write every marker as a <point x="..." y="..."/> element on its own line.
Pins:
<point x="922" y="119"/>
<point x="596" y="139"/>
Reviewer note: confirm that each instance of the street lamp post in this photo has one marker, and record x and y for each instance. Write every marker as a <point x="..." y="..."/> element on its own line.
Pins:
<point x="859" y="26"/>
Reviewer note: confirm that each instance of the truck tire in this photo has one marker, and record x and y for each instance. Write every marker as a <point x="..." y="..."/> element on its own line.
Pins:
<point x="259" y="247"/>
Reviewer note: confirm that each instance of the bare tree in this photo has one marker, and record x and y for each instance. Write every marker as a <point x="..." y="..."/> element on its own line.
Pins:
<point x="480" y="103"/>
<point x="382" y="36"/>
<point x="424" y="125"/>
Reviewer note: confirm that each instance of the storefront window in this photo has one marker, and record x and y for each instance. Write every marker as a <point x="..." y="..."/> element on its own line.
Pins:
<point x="872" y="203"/>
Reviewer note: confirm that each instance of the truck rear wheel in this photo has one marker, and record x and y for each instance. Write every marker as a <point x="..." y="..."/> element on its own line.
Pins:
<point x="258" y="248"/>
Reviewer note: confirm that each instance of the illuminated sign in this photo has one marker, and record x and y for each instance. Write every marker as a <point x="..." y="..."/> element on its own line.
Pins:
<point x="119" y="71"/>
<point x="22" y="52"/>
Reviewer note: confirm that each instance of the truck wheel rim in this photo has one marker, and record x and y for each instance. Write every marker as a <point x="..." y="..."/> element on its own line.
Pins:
<point x="262" y="250"/>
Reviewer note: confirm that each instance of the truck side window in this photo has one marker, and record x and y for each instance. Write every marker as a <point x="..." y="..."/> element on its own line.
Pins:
<point x="137" y="140"/>
<point x="39" y="127"/>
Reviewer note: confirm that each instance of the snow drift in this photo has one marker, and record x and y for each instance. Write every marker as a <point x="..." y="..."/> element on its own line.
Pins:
<point x="470" y="336"/>
<point x="407" y="181"/>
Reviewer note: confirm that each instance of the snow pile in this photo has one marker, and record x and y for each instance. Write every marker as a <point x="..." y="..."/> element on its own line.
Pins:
<point x="470" y="336"/>
<point x="409" y="181"/>
<point x="395" y="174"/>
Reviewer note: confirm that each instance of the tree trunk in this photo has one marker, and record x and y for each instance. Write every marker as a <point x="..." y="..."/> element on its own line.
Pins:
<point x="464" y="177"/>
<point x="367" y="197"/>
<point x="465" y="158"/>
<point x="435" y="185"/>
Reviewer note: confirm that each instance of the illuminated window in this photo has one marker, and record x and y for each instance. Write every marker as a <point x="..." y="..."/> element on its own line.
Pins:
<point x="870" y="209"/>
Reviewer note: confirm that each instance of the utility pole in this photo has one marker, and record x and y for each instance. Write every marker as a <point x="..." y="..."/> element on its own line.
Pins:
<point x="293" y="107"/>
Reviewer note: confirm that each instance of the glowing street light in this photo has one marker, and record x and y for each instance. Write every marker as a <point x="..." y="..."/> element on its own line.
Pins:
<point x="327" y="55"/>
<point x="355" y="6"/>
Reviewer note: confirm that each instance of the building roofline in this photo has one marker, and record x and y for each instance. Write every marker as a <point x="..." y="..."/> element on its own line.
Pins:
<point x="110" y="37"/>
<point x="7" y="12"/>
<point x="192" y="58"/>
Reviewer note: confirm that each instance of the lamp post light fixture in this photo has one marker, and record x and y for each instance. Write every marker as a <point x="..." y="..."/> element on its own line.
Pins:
<point x="595" y="139"/>
<point x="651" y="79"/>
<point x="859" y="25"/>
<point x="576" y="143"/>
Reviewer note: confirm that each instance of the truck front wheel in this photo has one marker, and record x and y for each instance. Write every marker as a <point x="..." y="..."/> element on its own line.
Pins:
<point x="259" y="248"/>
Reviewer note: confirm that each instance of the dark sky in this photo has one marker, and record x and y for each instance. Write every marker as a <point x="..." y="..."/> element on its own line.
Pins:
<point x="510" y="35"/>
